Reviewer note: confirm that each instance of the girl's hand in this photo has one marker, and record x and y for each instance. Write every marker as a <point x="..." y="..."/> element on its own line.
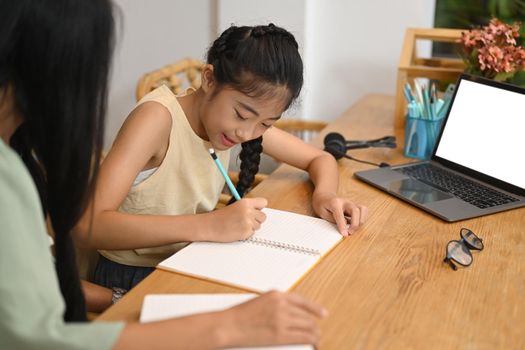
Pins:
<point x="238" y="220"/>
<point x="335" y="209"/>
<point x="274" y="319"/>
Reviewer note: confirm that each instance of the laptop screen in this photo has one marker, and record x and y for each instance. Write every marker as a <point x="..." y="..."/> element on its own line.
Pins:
<point x="485" y="130"/>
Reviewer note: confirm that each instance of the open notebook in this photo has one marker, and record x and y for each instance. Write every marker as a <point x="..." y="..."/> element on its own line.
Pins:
<point x="286" y="247"/>
<point x="158" y="307"/>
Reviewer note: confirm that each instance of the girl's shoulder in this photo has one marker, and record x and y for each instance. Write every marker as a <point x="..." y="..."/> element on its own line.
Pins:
<point x="151" y="115"/>
<point x="158" y="106"/>
<point x="146" y="131"/>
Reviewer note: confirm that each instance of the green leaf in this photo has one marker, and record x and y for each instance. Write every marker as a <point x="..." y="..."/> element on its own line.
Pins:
<point x="503" y="76"/>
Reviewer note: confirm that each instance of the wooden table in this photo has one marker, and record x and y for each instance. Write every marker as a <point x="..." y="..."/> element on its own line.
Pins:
<point x="387" y="286"/>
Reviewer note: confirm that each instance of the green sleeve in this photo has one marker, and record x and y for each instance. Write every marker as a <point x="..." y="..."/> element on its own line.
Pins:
<point x="31" y="305"/>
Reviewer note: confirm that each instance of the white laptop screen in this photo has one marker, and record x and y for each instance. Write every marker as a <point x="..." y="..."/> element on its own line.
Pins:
<point x="485" y="130"/>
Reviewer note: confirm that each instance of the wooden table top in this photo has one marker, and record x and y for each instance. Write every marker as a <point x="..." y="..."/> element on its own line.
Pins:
<point x="386" y="286"/>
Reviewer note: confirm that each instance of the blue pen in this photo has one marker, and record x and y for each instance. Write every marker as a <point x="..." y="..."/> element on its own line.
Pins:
<point x="408" y="93"/>
<point x="229" y="182"/>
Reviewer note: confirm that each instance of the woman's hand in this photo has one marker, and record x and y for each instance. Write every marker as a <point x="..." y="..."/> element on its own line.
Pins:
<point x="336" y="209"/>
<point x="238" y="220"/>
<point x="273" y="319"/>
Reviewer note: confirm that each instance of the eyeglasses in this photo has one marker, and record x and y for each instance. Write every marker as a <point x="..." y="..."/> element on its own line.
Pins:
<point x="459" y="251"/>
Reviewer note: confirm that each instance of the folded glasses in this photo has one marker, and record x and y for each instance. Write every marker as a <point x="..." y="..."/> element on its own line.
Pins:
<point x="459" y="251"/>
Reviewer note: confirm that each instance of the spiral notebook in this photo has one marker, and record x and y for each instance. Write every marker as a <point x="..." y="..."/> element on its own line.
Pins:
<point x="276" y="257"/>
<point x="158" y="307"/>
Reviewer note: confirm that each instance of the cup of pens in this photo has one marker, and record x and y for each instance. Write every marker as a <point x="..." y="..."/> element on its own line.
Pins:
<point x="424" y="119"/>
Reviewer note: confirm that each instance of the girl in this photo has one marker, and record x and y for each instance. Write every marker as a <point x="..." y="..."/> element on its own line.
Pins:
<point x="54" y="62"/>
<point x="158" y="185"/>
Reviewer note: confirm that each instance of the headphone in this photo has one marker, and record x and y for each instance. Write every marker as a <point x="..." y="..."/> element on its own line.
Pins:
<point x="337" y="146"/>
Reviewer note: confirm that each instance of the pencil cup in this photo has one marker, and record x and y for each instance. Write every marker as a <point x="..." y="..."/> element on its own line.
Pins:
<point x="420" y="136"/>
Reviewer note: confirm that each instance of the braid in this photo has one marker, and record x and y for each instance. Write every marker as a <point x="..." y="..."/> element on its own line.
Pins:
<point x="262" y="62"/>
<point x="250" y="158"/>
<point x="272" y="29"/>
<point x="254" y="60"/>
<point x="220" y="45"/>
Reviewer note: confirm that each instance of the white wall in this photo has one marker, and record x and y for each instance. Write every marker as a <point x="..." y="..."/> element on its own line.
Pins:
<point x="154" y="33"/>
<point x="350" y="48"/>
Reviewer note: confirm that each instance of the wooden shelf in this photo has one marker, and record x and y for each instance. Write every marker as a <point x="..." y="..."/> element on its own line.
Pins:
<point x="411" y="66"/>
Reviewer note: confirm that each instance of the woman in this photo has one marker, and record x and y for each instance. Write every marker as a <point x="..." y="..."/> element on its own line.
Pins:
<point x="54" y="64"/>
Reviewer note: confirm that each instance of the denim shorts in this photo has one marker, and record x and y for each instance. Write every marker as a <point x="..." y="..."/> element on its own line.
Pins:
<point x="111" y="274"/>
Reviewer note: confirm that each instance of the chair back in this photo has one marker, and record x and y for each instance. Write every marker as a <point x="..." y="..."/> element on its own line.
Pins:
<point x="177" y="76"/>
<point x="306" y="130"/>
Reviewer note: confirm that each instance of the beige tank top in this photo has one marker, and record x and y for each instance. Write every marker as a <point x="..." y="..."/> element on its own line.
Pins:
<point x="186" y="182"/>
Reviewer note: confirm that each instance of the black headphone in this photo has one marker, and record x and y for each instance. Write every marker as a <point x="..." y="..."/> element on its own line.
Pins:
<point x="336" y="145"/>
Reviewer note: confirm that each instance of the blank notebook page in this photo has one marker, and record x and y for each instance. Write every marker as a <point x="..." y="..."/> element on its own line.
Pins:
<point x="158" y="307"/>
<point x="275" y="257"/>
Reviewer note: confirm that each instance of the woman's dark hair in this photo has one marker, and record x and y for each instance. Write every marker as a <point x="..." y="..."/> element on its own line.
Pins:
<point x="54" y="58"/>
<point x="256" y="60"/>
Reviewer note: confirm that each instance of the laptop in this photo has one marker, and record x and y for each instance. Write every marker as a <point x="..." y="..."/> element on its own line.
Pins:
<point x="477" y="166"/>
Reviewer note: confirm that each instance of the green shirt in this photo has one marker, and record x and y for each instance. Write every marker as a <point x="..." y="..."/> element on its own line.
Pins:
<point x="31" y="305"/>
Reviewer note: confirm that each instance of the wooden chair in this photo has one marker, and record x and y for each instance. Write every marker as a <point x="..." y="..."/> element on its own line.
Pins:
<point x="177" y="76"/>
<point x="186" y="73"/>
<point x="306" y="130"/>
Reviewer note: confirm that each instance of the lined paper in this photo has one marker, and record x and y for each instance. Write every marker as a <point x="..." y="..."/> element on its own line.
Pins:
<point x="255" y="267"/>
<point x="158" y="307"/>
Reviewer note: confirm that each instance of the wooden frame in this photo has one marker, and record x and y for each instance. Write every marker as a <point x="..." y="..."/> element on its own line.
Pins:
<point x="411" y="66"/>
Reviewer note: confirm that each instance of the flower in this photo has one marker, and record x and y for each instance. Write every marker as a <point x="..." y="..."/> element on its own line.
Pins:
<point x="491" y="51"/>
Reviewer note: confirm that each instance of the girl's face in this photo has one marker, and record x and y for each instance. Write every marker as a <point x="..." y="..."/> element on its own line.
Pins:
<point x="230" y="117"/>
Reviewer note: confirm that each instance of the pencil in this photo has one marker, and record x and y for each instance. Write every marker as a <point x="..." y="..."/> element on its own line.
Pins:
<point x="224" y="174"/>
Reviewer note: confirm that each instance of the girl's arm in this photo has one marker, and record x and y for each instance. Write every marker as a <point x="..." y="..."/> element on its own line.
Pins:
<point x="141" y="144"/>
<point x="271" y="319"/>
<point x="324" y="173"/>
<point x="98" y="298"/>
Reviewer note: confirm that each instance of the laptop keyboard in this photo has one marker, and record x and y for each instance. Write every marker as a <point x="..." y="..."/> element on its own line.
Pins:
<point x="463" y="188"/>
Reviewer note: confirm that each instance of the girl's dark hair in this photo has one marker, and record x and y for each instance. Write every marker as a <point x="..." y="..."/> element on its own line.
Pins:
<point x="55" y="58"/>
<point x="256" y="60"/>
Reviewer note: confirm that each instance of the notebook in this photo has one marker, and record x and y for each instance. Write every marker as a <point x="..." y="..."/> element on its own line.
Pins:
<point x="477" y="165"/>
<point x="158" y="307"/>
<point x="286" y="247"/>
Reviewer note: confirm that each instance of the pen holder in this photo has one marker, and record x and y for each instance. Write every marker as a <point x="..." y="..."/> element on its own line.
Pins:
<point x="420" y="136"/>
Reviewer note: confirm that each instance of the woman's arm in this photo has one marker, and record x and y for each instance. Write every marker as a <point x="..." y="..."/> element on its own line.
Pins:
<point x="324" y="174"/>
<point x="32" y="308"/>
<point x="271" y="319"/>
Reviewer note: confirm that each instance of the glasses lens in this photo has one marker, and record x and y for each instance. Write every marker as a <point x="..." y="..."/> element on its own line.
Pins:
<point x="471" y="239"/>
<point x="457" y="251"/>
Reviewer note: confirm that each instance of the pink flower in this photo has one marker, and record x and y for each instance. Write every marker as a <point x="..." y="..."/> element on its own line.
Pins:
<point x="492" y="49"/>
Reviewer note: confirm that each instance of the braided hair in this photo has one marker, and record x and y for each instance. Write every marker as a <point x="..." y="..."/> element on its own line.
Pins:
<point x="256" y="60"/>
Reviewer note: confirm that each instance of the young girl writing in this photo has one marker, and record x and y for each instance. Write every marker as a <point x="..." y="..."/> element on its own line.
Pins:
<point x="54" y="63"/>
<point x="158" y="186"/>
